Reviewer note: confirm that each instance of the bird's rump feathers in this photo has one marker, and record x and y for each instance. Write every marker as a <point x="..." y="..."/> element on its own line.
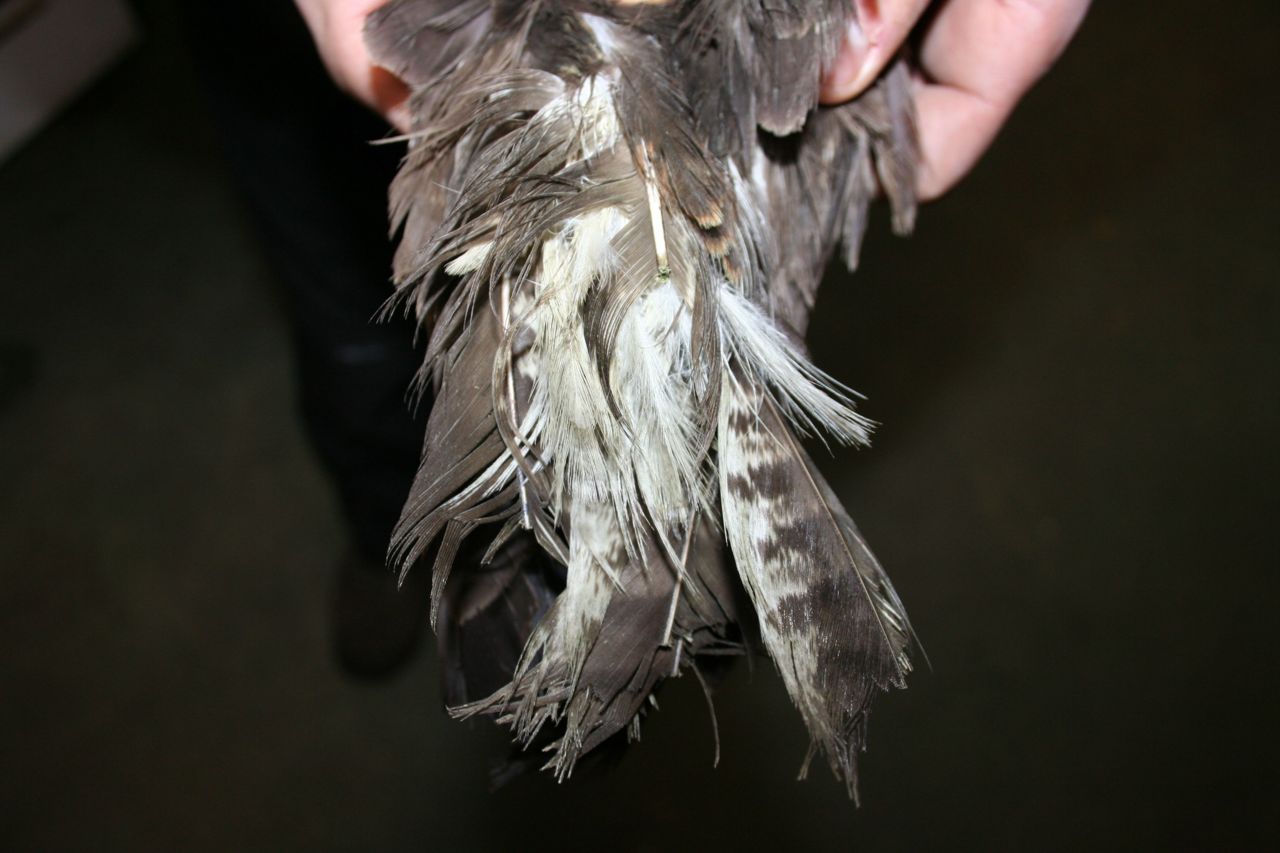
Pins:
<point x="613" y="217"/>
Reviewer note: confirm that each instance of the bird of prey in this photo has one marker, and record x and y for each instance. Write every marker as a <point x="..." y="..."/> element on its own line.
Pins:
<point x="613" y="218"/>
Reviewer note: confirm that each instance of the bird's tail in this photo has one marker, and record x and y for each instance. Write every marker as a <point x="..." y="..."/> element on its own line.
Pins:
<point x="615" y="297"/>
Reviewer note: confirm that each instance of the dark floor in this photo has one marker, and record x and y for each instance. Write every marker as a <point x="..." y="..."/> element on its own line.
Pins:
<point x="1075" y="365"/>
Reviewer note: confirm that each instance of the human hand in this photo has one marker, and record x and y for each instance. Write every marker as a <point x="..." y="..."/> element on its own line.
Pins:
<point x="337" y="27"/>
<point x="976" y="59"/>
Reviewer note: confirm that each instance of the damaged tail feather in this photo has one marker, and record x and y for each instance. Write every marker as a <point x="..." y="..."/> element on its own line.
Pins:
<point x="616" y="262"/>
<point x="595" y="658"/>
<point x="828" y="614"/>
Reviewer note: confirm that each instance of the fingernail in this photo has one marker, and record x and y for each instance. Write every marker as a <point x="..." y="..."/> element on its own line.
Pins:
<point x="399" y="117"/>
<point x="856" y="36"/>
<point x="849" y="63"/>
<point x="849" y="58"/>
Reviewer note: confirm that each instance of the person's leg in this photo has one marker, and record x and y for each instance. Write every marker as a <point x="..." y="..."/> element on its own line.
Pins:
<point x="300" y="151"/>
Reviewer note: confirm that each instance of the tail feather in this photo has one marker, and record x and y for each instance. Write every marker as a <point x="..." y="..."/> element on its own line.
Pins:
<point x="613" y="220"/>
<point x="828" y="614"/>
<point x="597" y="685"/>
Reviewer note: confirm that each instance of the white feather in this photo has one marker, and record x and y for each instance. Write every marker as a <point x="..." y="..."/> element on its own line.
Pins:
<point x="812" y="399"/>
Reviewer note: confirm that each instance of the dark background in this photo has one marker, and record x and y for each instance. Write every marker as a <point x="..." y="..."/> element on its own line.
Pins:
<point x="1074" y="362"/>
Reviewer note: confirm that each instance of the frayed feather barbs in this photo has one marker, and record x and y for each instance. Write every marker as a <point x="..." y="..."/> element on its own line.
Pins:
<point x="617" y="257"/>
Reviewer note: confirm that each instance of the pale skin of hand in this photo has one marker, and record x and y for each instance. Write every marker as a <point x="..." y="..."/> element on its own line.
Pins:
<point x="975" y="60"/>
<point x="337" y="26"/>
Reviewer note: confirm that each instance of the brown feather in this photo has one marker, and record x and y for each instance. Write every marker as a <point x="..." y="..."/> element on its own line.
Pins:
<point x="614" y="215"/>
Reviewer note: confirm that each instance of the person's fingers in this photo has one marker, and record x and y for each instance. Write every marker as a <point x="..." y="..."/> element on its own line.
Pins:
<point x="997" y="48"/>
<point x="955" y="128"/>
<point x="337" y="26"/>
<point x="871" y="40"/>
<point x="336" y="30"/>
<point x="977" y="59"/>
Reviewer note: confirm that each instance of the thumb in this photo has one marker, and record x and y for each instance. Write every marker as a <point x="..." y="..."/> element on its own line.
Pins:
<point x="871" y="39"/>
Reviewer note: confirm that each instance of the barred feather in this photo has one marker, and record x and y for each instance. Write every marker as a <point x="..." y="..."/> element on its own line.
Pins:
<point x="613" y="218"/>
<point x="828" y="615"/>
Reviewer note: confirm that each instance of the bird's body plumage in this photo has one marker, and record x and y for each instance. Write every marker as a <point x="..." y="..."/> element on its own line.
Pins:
<point x="614" y="215"/>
